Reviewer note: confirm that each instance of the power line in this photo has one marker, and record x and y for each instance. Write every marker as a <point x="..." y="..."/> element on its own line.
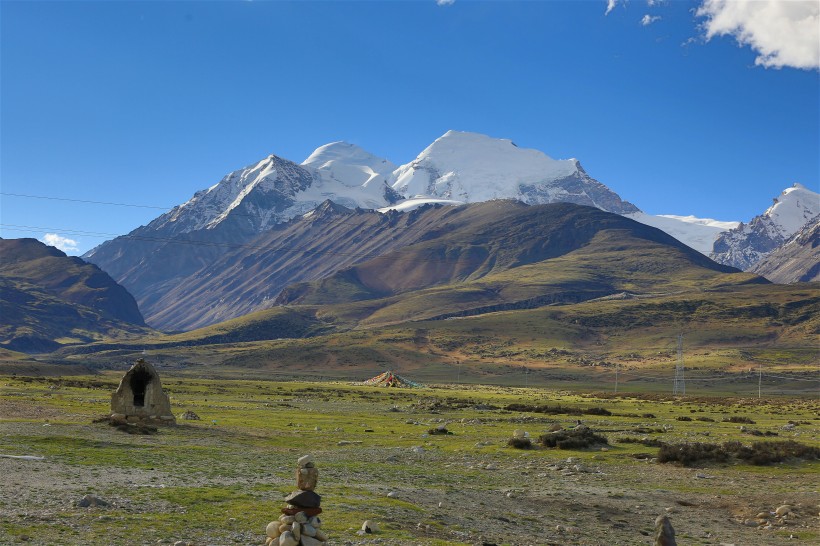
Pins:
<point x="110" y="203"/>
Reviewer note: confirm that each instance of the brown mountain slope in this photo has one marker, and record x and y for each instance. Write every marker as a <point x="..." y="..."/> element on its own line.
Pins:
<point x="48" y="299"/>
<point x="506" y="252"/>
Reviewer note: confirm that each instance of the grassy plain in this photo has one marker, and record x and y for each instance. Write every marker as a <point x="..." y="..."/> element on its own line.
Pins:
<point x="220" y="480"/>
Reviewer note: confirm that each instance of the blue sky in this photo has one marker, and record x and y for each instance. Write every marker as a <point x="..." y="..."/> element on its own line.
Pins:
<point x="147" y="102"/>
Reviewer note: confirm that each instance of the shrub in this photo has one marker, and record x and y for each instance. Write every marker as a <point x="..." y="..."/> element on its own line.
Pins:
<point x="763" y="453"/>
<point x="691" y="453"/>
<point x="683" y="418"/>
<point x="739" y="419"/>
<point x="597" y="411"/>
<point x="648" y="442"/>
<point x="520" y="443"/>
<point x="706" y="419"/>
<point x="549" y="410"/>
<point x="438" y="430"/>
<point x="579" y="438"/>
<point x="759" y="453"/>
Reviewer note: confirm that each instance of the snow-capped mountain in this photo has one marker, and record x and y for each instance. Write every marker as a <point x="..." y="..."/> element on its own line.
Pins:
<point x="275" y="190"/>
<point x="747" y="244"/>
<point x="470" y="167"/>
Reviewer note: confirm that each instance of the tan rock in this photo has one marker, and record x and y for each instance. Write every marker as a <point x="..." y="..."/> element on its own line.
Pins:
<point x="370" y="526"/>
<point x="306" y="478"/>
<point x="321" y="535"/>
<point x="272" y="530"/>
<point x="783" y="510"/>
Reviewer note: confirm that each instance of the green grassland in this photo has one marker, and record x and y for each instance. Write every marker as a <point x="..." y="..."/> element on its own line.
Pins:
<point x="221" y="479"/>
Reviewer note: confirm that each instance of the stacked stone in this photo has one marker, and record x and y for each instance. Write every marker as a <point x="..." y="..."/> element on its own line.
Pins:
<point x="299" y="523"/>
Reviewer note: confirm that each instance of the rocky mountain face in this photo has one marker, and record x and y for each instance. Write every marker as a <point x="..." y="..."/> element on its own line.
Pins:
<point x="797" y="260"/>
<point x="47" y="297"/>
<point x="748" y="244"/>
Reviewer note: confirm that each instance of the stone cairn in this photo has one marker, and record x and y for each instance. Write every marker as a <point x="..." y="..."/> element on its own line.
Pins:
<point x="299" y="523"/>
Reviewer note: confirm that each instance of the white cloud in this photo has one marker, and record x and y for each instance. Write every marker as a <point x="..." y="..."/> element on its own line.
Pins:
<point x="649" y="19"/>
<point x="610" y="5"/>
<point x="784" y="33"/>
<point x="63" y="243"/>
<point x="445" y="2"/>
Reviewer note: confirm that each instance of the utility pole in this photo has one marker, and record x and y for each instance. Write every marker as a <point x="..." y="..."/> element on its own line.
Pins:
<point x="680" y="382"/>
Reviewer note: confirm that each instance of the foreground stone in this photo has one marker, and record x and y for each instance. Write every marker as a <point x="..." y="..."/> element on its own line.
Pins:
<point x="299" y="524"/>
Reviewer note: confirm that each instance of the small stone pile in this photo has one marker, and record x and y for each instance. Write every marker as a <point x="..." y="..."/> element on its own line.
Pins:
<point x="299" y="523"/>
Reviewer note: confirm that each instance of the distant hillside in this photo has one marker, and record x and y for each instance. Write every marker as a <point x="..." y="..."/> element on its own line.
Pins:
<point x="503" y="255"/>
<point x="48" y="299"/>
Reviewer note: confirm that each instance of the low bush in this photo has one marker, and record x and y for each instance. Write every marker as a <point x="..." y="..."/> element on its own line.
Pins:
<point x="683" y="418"/>
<point x="763" y="453"/>
<point x="549" y="410"/>
<point x="597" y="411"/>
<point x="579" y="438"/>
<point x="692" y="453"/>
<point x="759" y="453"/>
<point x="520" y="443"/>
<point x="648" y="442"/>
<point x="739" y="419"/>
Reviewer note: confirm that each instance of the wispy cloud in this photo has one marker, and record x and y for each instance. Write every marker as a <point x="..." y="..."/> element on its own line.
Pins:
<point x="63" y="243"/>
<point x="649" y="19"/>
<point x="610" y="5"/>
<point x="783" y="33"/>
<point x="445" y="2"/>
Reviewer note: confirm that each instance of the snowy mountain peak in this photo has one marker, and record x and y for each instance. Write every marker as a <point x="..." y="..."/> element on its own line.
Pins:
<point x="348" y="164"/>
<point x="748" y="244"/>
<point x="471" y="167"/>
<point x="794" y="207"/>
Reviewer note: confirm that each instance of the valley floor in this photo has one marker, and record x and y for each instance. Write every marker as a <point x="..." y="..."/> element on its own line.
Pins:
<point x="221" y="479"/>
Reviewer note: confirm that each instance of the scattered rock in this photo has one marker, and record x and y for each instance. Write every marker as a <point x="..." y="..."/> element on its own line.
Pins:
<point x="782" y="510"/>
<point x="90" y="501"/>
<point x="187" y="416"/>
<point x="664" y="533"/>
<point x="370" y="526"/>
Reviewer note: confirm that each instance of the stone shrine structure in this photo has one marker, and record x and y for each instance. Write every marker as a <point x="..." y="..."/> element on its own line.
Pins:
<point x="140" y="398"/>
<point x="299" y="524"/>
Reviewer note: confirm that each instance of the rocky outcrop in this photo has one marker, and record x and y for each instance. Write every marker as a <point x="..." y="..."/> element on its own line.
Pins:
<point x="797" y="260"/>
